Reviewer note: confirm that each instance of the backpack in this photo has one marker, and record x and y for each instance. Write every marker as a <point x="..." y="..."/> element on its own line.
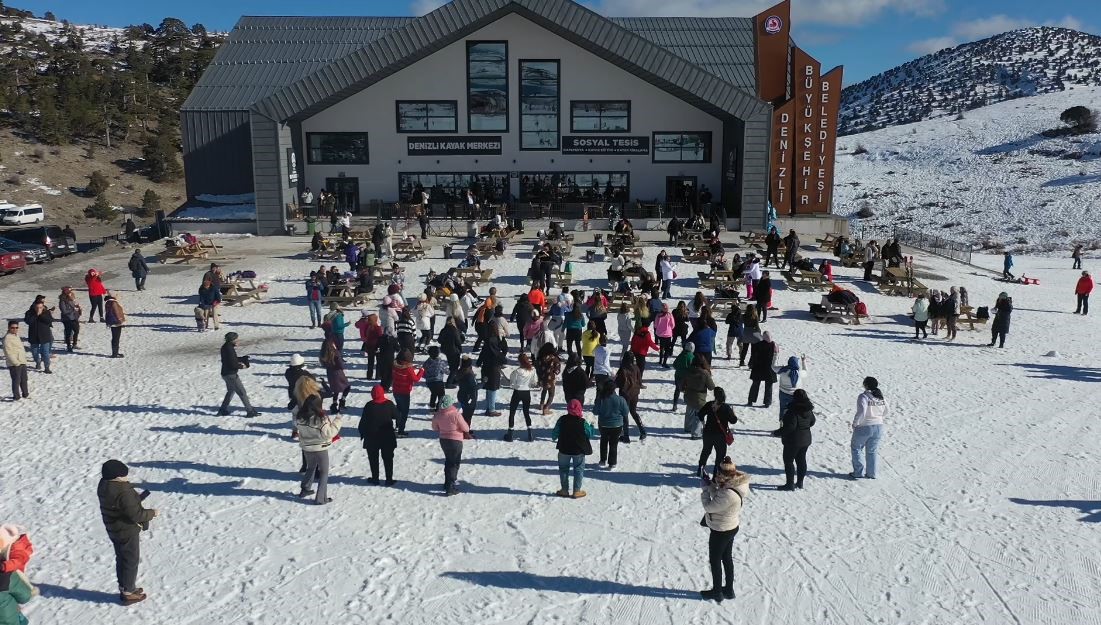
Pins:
<point x="861" y="309"/>
<point x="983" y="312"/>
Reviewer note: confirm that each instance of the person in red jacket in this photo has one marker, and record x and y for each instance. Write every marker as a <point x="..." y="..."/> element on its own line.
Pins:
<point x="370" y="331"/>
<point x="96" y="291"/>
<point x="1083" y="290"/>
<point x="641" y="344"/>
<point x="406" y="374"/>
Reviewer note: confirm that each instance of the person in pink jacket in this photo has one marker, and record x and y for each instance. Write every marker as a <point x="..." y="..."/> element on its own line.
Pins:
<point x="449" y="422"/>
<point x="663" y="329"/>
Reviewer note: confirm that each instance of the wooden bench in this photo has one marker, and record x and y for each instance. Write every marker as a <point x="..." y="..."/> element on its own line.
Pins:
<point x="753" y="239"/>
<point x="182" y="253"/>
<point x="240" y="292"/>
<point x="475" y="275"/>
<point x="827" y="241"/>
<point x="724" y="305"/>
<point x="828" y="311"/>
<point x="967" y="315"/>
<point x="629" y="252"/>
<point x="343" y="295"/>
<point x="695" y="255"/>
<point x="805" y="281"/>
<point x="209" y="244"/>
<point x="719" y="280"/>
<point x="408" y="250"/>
<point x="856" y="260"/>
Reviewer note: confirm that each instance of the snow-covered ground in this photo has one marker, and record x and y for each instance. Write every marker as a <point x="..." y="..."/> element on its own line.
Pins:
<point x="96" y="38"/>
<point x="219" y="208"/>
<point x="990" y="177"/>
<point x="985" y="510"/>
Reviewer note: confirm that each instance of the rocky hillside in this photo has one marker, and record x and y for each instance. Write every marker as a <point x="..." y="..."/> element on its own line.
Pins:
<point x="1018" y="63"/>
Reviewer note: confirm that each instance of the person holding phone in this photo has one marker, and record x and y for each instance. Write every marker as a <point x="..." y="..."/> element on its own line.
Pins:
<point x="124" y="518"/>
<point x="231" y="365"/>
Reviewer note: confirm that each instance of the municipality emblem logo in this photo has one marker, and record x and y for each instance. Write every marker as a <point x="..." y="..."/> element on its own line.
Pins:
<point x="773" y="24"/>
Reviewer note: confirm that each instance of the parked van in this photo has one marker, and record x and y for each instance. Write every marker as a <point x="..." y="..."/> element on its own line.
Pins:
<point x="19" y="215"/>
<point x="50" y="237"/>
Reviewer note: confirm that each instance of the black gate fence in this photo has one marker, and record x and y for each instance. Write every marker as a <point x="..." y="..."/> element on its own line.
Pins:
<point x="940" y="246"/>
<point x="386" y="211"/>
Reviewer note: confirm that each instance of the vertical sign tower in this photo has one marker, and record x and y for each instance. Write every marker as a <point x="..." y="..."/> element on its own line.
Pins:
<point x="806" y="105"/>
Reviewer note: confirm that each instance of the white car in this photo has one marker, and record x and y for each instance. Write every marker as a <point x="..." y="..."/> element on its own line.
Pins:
<point x="19" y="215"/>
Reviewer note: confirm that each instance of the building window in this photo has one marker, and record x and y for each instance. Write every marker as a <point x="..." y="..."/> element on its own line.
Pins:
<point x="682" y="147"/>
<point x="539" y="105"/>
<point x="448" y="187"/>
<point x="600" y="116"/>
<point x="428" y="116"/>
<point x="337" y="148"/>
<point x="565" y="186"/>
<point x="487" y="85"/>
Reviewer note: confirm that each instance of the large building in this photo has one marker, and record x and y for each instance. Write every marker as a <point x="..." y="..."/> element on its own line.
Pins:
<point x="535" y="101"/>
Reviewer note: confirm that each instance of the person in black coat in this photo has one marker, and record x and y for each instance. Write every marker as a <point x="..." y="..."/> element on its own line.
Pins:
<point x="124" y="518"/>
<point x="575" y="381"/>
<point x="717" y="417"/>
<point x="762" y="293"/>
<point x="385" y="364"/>
<point x="1003" y="309"/>
<point x="491" y="359"/>
<point x="451" y="346"/>
<point x="794" y="432"/>
<point x="522" y="313"/>
<point x="762" y="358"/>
<point x="572" y="433"/>
<point x="376" y="430"/>
<point x="468" y="389"/>
<point x="40" y="333"/>
<point x="772" y="247"/>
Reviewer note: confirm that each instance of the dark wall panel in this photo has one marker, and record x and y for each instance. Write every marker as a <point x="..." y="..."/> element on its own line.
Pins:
<point x="217" y="152"/>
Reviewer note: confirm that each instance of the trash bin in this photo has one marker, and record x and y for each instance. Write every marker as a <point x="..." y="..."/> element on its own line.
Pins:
<point x="311" y="227"/>
<point x="598" y="240"/>
<point x="590" y="256"/>
<point x="291" y="229"/>
<point x="447" y="249"/>
<point x="472" y="229"/>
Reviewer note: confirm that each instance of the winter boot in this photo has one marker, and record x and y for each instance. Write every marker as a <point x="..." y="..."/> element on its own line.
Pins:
<point x="130" y="598"/>
<point x="563" y="493"/>
<point x="579" y="494"/>
<point x="508" y="436"/>
<point x="712" y="595"/>
<point x="531" y="437"/>
<point x="699" y="471"/>
<point x="641" y="433"/>
<point x="728" y="592"/>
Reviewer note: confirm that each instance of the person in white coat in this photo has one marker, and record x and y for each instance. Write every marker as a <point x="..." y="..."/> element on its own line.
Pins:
<point x="752" y="274"/>
<point x="388" y="240"/>
<point x="316" y="432"/>
<point x="668" y="274"/>
<point x="921" y="316"/>
<point x="522" y="379"/>
<point x="15" y="355"/>
<point x="425" y="312"/>
<point x="723" y="497"/>
<point x="867" y="427"/>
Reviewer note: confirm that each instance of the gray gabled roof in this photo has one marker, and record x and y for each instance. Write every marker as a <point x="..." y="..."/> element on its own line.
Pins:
<point x="263" y="54"/>
<point x="724" y="46"/>
<point x="450" y="23"/>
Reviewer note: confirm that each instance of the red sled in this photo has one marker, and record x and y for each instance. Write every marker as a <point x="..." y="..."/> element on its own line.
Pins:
<point x="1027" y="280"/>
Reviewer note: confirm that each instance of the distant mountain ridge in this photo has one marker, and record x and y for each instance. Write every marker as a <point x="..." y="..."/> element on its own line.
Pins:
<point x="1014" y="64"/>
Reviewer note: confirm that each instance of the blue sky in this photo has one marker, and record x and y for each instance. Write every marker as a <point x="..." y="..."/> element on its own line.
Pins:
<point x="867" y="36"/>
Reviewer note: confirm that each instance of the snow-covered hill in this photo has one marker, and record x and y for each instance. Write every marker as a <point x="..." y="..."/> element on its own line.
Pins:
<point x="990" y="178"/>
<point x="94" y="38"/>
<point x="1010" y="65"/>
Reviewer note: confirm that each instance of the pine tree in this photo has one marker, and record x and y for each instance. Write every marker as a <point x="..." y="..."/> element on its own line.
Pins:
<point x="150" y="203"/>
<point x="101" y="209"/>
<point x="160" y="158"/>
<point x="97" y="184"/>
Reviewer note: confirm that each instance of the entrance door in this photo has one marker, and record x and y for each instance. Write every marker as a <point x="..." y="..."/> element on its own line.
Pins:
<point x="346" y="191"/>
<point x="680" y="194"/>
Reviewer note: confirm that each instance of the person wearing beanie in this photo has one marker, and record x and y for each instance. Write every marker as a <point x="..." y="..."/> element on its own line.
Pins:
<point x="333" y="360"/>
<point x="334" y="325"/>
<point x="695" y="382"/>
<point x="1082" y="291"/>
<point x="572" y="432"/>
<point x="231" y="365"/>
<point x="722" y="497"/>
<point x="762" y="368"/>
<point x="867" y="427"/>
<point x="124" y="517"/>
<point x="796" y="423"/>
<point x="376" y="431"/>
<point x="449" y="423"/>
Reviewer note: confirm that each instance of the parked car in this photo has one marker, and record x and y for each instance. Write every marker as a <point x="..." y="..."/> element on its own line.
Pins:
<point x="33" y="253"/>
<point x="51" y="237"/>
<point x="19" y="215"/>
<point x="10" y="262"/>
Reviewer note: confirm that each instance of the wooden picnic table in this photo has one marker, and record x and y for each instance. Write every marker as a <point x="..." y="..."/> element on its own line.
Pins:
<point x="474" y="275"/>
<point x="827" y="241"/>
<point x="343" y="293"/>
<point x="806" y="281"/>
<point x="182" y="253"/>
<point x="408" y="250"/>
<point x="967" y="315"/>
<point x="241" y="291"/>
<point x="901" y="281"/>
<point x="629" y="252"/>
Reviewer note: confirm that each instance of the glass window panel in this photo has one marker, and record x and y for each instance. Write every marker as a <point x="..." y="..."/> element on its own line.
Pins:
<point x="487" y="86"/>
<point x="599" y="116"/>
<point x="539" y="105"/>
<point x="341" y="148"/>
<point x="442" y="124"/>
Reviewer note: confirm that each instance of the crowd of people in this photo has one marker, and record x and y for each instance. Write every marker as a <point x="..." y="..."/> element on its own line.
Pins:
<point x="467" y="347"/>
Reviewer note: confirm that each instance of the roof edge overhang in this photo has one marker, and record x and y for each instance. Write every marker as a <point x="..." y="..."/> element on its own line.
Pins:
<point x="458" y="19"/>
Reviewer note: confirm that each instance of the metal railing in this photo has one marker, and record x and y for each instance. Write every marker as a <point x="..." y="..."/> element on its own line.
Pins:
<point x="934" y="244"/>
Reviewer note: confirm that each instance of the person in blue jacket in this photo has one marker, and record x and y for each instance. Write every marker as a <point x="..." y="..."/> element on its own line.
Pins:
<point x="704" y="340"/>
<point x="1007" y="264"/>
<point x="351" y="254"/>
<point x="315" y="291"/>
